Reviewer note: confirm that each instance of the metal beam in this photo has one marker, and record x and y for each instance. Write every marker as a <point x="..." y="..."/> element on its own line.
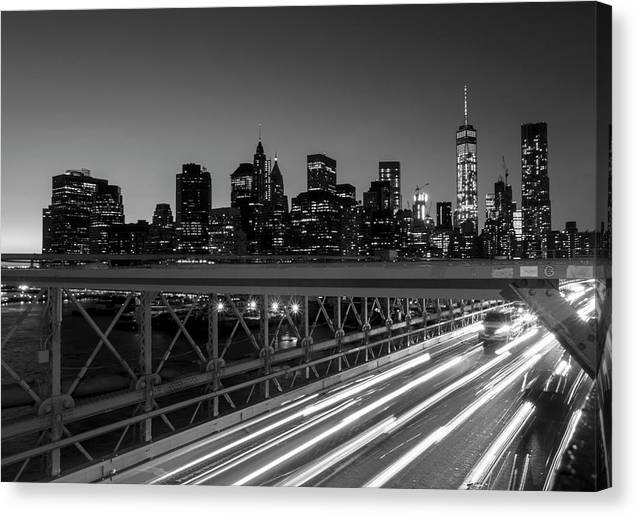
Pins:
<point x="476" y="279"/>
<point x="573" y="332"/>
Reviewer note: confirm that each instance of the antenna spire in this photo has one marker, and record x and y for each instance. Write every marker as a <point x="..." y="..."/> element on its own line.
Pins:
<point x="466" y="115"/>
<point x="259" y="132"/>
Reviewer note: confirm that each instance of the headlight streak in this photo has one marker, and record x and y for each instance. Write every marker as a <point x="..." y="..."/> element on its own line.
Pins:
<point x="503" y="329"/>
<point x="516" y="341"/>
<point x="578" y="381"/>
<point x="229" y="432"/>
<point x="502" y="443"/>
<point x="358" y="386"/>
<point x="261" y="448"/>
<point x="587" y="310"/>
<point x="566" y="439"/>
<point x="356" y="389"/>
<point x="350" y="419"/>
<point x="404" y="461"/>
<point x="331" y="400"/>
<point x="299" y="478"/>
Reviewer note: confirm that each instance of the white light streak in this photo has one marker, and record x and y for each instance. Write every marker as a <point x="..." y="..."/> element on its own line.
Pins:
<point x="404" y="461"/>
<point x="500" y="444"/>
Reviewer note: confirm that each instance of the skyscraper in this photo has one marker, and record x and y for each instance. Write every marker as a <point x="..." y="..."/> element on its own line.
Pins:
<point x="518" y="250"/>
<point x="536" y="203"/>
<point x="466" y="176"/>
<point x="161" y="235"/>
<point x="193" y="195"/>
<point x="444" y="218"/>
<point x="130" y="238"/>
<point x="262" y="177"/>
<point x="82" y="209"/>
<point x="420" y="207"/>
<point x="503" y="206"/>
<point x="108" y="209"/>
<point x="315" y="221"/>
<point x="271" y="224"/>
<point x="390" y="171"/>
<point x="226" y="235"/>
<point x="243" y="195"/>
<point x="350" y="219"/>
<point x="321" y="173"/>
<point x="242" y="185"/>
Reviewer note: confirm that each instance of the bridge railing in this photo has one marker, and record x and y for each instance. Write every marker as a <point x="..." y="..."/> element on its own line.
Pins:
<point x="61" y="422"/>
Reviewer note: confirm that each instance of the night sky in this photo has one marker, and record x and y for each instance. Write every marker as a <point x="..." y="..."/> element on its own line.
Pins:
<point x="132" y="95"/>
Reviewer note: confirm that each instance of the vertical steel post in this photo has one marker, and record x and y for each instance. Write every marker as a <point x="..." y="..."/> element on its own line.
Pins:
<point x="339" y="332"/>
<point x="265" y="333"/>
<point x="213" y="347"/>
<point x="366" y="328"/>
<point x="424" y="315"/>
<point x="408" y="321"/>
<point x="55" y="372"/>
<point x="439" y="312"/>
<point x="306" y="333"/>
<point x="146" y="357"/>
<point x="388" y="323"/>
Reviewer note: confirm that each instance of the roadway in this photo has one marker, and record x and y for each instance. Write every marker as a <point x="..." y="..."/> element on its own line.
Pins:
<point x="454" y="416"/>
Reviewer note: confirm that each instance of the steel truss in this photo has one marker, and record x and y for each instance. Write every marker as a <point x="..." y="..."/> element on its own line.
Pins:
<point x="332" y="333"/>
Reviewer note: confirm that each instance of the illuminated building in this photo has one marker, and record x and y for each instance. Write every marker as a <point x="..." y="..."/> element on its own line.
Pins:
<point x="321" y="173"/>
<point x="244" y="197"/>
<point x="498" y="234"/>
<point x="518" y="251"/>
<point x="377" y="224"/>
<point x="466" y="176"/>
<point x="226" y="235"/>
<point x="421" y="205"/>
<point x="262" y="179"/>
<point x="81" y="211"/>
<point x="390" y="172"/>
<point x="162" y="236"/>
<point x="350" y="219"/>
<point x="193" y="195"/>
<point x="315" y="221"/>
<point x="129" y="239"/>
<point x="536" y="203"/>
<point x="272" y="219"/>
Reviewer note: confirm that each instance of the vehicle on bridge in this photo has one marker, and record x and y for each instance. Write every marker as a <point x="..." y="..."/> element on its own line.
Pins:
<point x="503" y="324"/>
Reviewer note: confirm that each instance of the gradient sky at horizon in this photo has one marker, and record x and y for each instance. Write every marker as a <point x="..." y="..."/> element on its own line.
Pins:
<point x="133" y="94"/>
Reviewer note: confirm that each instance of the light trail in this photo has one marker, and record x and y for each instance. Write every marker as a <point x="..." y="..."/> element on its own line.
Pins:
<point x="330" y="401"/>
<point x="566" y="440"/>
<point x="525" y="363"/>
<point x="225" y="434"/>
<point x="349" y="392"/>
<point x="316" y="468"/>
<point x="235" y="461"/>
<point x="357" y="388"/>
<point x="515" y="342"/>
<point x="354" y="417"/>
<point x="499" y="446"/>
<point x="319" y="466"/>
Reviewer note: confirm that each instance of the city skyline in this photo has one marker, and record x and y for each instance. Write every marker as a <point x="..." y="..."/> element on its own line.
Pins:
<point x="409" y="123"/>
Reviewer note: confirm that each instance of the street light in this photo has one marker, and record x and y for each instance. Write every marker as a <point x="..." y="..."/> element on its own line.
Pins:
<point x="220" y="306"/>
<point x="295" y="308"/>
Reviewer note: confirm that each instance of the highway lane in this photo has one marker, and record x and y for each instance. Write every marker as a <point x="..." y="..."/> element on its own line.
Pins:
<point x="427" y="422"/>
